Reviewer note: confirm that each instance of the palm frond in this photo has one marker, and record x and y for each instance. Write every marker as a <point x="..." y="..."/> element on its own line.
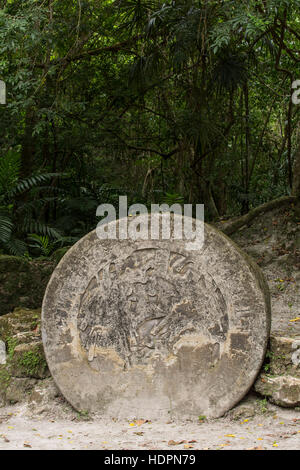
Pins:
<point x="31" y="206"/>
<point x="41" y="242"/>
<point x="6" y="226"/>
<point x="15" y="247"/>
<point x="34" y="226"/>
<point x="230" y="70"/>
<point x="31" y="182"/>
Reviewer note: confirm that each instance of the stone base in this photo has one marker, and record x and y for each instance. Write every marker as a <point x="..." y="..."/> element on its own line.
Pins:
<point x="284" y="356"/>
<point x="23" y="362"/>
<point x="281" y="390"/>
<point x="280" y="379"/>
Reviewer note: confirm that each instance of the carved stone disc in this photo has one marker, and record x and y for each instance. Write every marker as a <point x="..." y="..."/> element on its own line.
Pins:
<point x="148" y="328"/>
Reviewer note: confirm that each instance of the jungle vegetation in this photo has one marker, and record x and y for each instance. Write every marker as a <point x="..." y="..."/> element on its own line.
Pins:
<point x="185" y="101"/>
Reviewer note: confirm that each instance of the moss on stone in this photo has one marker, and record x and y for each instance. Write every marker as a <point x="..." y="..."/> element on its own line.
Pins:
<point x="5" y="378"/>
<point x="11" y="345"/>
<point x="30" y="363"/>
<point x="19" y="321"/>
<point x="25" y="355"/>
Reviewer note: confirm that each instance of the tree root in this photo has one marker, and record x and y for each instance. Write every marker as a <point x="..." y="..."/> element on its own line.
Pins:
<point x="247" y="218"/>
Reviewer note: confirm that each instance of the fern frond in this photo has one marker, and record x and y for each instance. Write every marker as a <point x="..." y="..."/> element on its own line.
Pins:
<point x="34" y="226"/>
<point x="31" y="182"/>
<point x="29" y="207"/>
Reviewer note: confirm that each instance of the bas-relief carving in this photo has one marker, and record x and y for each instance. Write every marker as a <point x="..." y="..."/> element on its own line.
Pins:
<point x="144" y="304"/>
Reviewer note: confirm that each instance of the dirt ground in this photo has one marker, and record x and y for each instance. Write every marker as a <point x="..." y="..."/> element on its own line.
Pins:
<point x="269" y="428"/>
<point x="273" y="241"/>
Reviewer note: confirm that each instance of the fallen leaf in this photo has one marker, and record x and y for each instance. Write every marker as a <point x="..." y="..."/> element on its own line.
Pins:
<point x="187" y="446"/>
<point x="174" y="443"/>
<point x="139" y="422"/>
<point x="27" y="445"/>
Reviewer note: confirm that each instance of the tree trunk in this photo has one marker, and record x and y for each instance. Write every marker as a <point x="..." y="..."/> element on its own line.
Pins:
<point x="208" y="199"/>
<point x="28" y="147"/>
<point x="238" y="223"/>
<point x="245" y="203"/>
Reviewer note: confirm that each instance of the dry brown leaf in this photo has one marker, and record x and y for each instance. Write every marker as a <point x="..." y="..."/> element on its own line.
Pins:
<point x="139" y="422"/>
<point x="174" y="443"/>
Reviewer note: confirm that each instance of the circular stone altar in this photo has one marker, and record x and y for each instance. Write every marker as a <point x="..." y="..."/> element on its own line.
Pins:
<point x="150" y="329"/>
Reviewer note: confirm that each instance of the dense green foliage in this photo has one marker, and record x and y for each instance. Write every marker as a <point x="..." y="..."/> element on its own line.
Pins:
<point x="182" y="100"/>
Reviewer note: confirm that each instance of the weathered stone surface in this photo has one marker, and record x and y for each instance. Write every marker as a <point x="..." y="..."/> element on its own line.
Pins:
<point x="18" y="390"/>
<point x="281" y="390"/>
<point x="22" y="325"/>
<point x="29" y="361"/>
<point x="147" y="328"/>
<point x="2" y="353"/>
<point x="284" y="356"/>
<point x="25" y="360"/>
<point x="280" y="381"/>
<point x="247" y="408"/>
